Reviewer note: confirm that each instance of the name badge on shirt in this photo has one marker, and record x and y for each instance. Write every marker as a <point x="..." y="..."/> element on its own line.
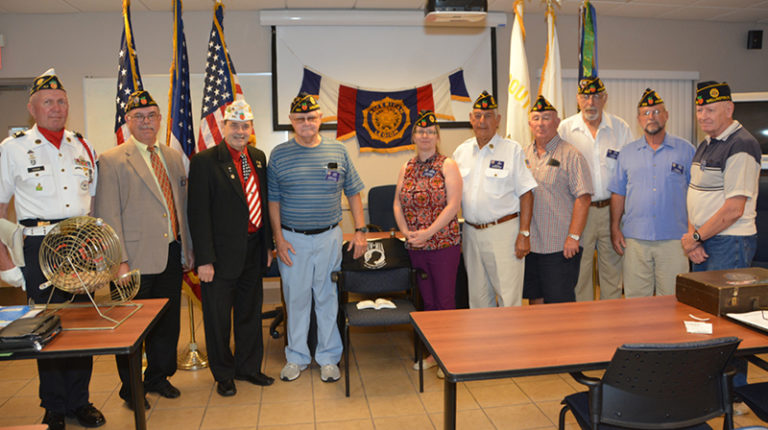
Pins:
<point x="553" y="162"/>
<point x="497" y="164"/>
<point x="430" y="173"/>
<point x="678" y="168"/>
<point x="612" y="154"/>
<point x="35" y="169"/>
<point x="332" y="175"/>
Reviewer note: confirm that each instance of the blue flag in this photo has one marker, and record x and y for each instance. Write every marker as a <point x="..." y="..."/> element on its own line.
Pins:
<point x="179" y="131"/>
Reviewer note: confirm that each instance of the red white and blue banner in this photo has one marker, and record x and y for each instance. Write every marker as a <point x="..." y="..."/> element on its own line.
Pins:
<point x="382" y="120"/>
<point x="128" y="75"/>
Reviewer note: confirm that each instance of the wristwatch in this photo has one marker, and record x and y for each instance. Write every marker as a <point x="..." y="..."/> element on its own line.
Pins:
<point x="575" y="237"/>
<point x="362" y="229"/>
<point x="697" y="236"/>
<point x="525" y="233"/>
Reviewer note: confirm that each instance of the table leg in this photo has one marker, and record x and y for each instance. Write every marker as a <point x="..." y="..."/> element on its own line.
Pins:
<point x="137" y="389"/>
<point x="449" y="407"/>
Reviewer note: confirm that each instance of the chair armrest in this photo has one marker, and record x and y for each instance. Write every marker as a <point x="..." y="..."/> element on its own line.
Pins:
<point x="583" y="379"/>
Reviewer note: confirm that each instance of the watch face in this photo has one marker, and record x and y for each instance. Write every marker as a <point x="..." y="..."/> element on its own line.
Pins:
<point x="696" y="236"/>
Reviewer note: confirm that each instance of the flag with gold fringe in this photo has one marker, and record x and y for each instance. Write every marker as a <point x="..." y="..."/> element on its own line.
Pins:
<point x="220" y="87"/>
<point x="518" y="91"/>
<point x="551" y="86"/>
<point x="587" y="41"/>
<point x="128" y="75"/>
<point x="179" y="131"/>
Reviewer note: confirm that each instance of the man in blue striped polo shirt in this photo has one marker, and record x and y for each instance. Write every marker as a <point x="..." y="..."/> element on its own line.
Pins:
<point x="306" y="176"/>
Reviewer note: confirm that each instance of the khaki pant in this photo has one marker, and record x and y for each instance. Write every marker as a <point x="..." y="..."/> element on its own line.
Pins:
<point x="493" y="271"/>
<point x="597" y="235"/>
<point x="652" y="266"/>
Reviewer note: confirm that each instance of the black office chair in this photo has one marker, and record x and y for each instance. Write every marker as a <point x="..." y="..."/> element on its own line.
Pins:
<point x="380" y="212"/>
<point x="761" y="220"/>
<point x="658" y="386"/>
<point x="383" y="271"/>
<point x="755" y="395"/>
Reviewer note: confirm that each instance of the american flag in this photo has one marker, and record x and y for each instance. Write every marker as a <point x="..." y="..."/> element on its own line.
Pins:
<point x="179" y="132"/>
<point x="221" y="85"/>
<point x="128" y="75"/>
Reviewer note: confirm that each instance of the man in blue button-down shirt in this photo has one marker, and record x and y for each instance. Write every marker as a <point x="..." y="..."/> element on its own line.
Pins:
<point x="648" y="213"/>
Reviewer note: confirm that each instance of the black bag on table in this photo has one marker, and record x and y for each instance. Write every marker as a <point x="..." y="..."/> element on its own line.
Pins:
<point x="29" y="334"/>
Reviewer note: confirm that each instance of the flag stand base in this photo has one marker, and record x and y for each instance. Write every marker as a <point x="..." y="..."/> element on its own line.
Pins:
<point x="192" y="358"/>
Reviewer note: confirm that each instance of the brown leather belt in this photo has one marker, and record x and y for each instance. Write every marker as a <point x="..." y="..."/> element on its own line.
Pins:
<point x="601" y="203"/>
<point x="505" y="218"/>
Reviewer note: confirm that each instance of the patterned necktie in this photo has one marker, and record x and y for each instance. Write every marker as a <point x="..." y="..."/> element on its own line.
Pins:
<point x="165" y="186"/>
<point x="251" y="192"/>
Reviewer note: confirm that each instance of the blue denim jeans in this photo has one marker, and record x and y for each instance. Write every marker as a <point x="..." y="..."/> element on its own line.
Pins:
<point x="730" y="252"/>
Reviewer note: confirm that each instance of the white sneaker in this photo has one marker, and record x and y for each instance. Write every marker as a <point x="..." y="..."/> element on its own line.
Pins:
<point x="291" y="371"/>
<point x="426" y="364"/>
<point x="330" y="373"/>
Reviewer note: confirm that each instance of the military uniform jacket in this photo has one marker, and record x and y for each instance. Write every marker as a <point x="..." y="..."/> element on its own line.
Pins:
<point x="48" y="183"/>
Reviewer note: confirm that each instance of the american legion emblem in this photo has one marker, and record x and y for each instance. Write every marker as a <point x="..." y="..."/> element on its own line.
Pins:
<point x="387" y="119"/>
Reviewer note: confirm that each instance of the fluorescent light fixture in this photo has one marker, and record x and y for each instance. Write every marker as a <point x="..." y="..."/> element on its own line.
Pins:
<point x="357" y="17"/>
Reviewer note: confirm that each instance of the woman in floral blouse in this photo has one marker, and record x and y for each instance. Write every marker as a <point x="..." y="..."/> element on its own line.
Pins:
<point x="427" y="199"/>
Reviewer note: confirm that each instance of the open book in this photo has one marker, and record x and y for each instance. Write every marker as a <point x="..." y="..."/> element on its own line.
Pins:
<point x="380" y="303"/>
<point x="757" y="319"/>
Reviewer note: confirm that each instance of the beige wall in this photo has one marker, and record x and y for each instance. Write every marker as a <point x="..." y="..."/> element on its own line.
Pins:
<point x="80" y="45"/>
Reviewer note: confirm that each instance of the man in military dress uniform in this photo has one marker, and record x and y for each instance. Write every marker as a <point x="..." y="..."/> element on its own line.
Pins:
<point x="51" y="172"/>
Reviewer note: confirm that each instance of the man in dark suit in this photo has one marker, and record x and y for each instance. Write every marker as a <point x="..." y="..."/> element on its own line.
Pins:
<point x="143" y="196"/>
<point x="232" y="240"/>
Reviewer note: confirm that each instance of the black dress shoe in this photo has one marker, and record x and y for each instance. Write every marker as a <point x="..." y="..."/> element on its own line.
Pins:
<point x="55" y="421"/>
<point x="226" y="388"/>
<point x="129" y="401"/>
<point x="164" y="389"/>
<point x="257" y="379"/>
<point x="89" y="416"/>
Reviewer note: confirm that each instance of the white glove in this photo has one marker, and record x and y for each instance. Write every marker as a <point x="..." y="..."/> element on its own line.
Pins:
<point x="14" y="277"/>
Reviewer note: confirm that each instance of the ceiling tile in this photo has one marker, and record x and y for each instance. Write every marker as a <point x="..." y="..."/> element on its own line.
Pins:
<point x="742" y="15"/>
<point x="38" y="6"/>
<point x="248" y="4"/>
<point x="729" y="3"/>
<point x="665" y="2"/>
<point x="637" y="10"/>
<point x="103" y="6"/>
<point x="695" y="14"/>
<point x="390" y="4"/>
<point x="320" y="4"/>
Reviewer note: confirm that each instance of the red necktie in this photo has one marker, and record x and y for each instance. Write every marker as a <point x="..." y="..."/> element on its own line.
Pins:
<point x="251" y="192"/>
<point x="165" y="186"/>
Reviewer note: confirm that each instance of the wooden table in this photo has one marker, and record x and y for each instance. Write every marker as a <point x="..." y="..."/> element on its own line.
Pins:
<point x="124" y="340"/>
<point x="476" y="344"/>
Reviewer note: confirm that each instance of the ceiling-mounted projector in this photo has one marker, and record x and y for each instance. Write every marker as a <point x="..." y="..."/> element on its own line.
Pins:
<point x="439" y="11"/>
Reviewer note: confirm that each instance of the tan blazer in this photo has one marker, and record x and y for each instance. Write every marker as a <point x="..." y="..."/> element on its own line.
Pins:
<point x="129" y="200"/>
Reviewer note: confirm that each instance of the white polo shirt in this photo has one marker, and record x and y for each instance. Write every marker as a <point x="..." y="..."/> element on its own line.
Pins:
<point x="48" y="183"/>
<point x="494" y="178"/>
<point x="601" y="151"/>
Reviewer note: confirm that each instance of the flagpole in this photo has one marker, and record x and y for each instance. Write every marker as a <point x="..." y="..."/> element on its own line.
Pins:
<point x="129" y="42"/>
<point x="192" y="358"/>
